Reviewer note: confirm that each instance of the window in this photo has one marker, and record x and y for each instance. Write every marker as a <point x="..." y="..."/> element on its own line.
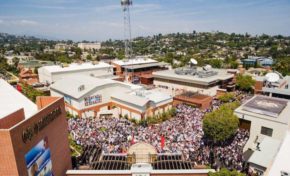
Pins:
<point x="267" y="131"/>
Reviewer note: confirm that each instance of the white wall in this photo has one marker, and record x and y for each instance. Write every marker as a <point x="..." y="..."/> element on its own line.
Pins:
<point x="88" y="114"/>
<point x="104" y="92"/>
<point x="279" y="129"/>
<point x="88" y="46"/>
<point x="124" y="112"/>
<point x="44" y="75"/>
<point x="135" y="116"/>
<point x="210" y="91"/>
<point x="100" y="72"/>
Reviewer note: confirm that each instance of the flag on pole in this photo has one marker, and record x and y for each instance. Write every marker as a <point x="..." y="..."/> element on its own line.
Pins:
<point x="162" y="142"/>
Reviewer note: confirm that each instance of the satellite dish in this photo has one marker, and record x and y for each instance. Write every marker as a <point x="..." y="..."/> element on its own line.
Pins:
<point x="272" y="77"/>
<point x="193" y="61"/>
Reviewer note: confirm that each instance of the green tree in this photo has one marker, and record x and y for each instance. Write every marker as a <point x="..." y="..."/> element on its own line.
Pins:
<point x="15" y="61"/>
<point x="226" y="97"/>
<point x="63" y="59"/>
<point x="3" y="64"/>
<point x="216" y="63"/>
<point x="226" y="172"/>
<point x="220" y="124"/>
<point x="282" y="65"/>
<point x="31" y="93"/>
<point x="89" y="57"/>
<point x="234" y="64"/>
<point x="245" y="82"/>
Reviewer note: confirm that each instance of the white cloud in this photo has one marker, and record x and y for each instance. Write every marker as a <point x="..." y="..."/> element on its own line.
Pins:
<point x="27" y="22"/>
<point x="19" y="22"/>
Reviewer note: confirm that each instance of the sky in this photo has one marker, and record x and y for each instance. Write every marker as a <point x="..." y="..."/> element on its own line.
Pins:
<point x="99" y="20"/>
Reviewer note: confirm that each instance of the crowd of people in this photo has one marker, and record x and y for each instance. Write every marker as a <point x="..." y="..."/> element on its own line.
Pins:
<point x="183" y="134"/>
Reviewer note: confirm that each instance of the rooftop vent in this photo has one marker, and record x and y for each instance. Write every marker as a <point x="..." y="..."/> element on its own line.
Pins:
<point x="81" y="88"/>
<point x="186" y="71"/>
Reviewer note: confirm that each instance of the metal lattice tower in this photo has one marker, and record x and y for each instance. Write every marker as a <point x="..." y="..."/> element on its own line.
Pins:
<point x="127" y="28"/>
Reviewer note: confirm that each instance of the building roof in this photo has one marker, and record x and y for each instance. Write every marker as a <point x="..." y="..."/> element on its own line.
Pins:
<point x="156" y="96"/>
<point x="138" y="60"/>
<point x="75" y="67"/>
<point x="267" y="108"/>
<point x="138" y="66"/>
<point x="268" y="149"/>
<point x="71" y="85"/>
<point x="141" y="97"/>
<point x="282" y="86"/>
<point x="129" y="98"/>
<point x="282" y="159"/>
<point x="171" y="75"/>
<point x="266" y="105"/>
<point x="12" y="100"/>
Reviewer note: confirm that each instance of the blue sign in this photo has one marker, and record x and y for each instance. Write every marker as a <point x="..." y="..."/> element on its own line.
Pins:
<point x="93" y="100"/>
<point x="38" y="162"/>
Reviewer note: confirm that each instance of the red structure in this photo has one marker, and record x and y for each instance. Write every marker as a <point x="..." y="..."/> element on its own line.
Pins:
<point x="19" y="136"/>
<point x="190" y="98"/>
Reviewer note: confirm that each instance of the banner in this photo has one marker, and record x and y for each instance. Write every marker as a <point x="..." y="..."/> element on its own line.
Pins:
<point x="38" y="162"/>
<point x="93" y="100"/>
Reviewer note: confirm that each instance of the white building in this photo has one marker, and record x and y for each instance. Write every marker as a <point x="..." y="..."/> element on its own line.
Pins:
<point x="50" y="74"/>
<point x="61" y="47"/>
<point x="89" y="46"/>
<point x="87" y="96"/>
<point x="137" y="67"/>
<point x="191" y="79"/>
<point x="21" y="59"/>
<point x="11" y="100"/>
<point x="280" y="165"/>
<point x="264" y="117"/>
<point x="280" y="88"/>
<point x="263" y="155"/>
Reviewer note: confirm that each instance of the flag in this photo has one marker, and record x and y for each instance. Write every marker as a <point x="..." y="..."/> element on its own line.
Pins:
<point x="162" y="142"/>
<point x="19" y="88"/>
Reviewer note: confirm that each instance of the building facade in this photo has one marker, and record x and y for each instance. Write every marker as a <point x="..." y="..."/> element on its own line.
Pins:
<point x="279" y="89"/>
<point x="203" y="82"/>
<point x="138" y="70"/>
<point x="264" y="116"/>
<point x="87" y="96"/>
<point x="62" y="47"/>
<point x="33" y="137"/>
<point x="89" y="46"/>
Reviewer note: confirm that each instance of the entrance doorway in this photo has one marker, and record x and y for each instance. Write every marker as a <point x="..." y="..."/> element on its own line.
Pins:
<point x="245" y="124"/>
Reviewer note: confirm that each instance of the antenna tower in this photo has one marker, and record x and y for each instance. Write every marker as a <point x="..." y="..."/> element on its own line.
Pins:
<point x="127" y="27"/>
<point x="127" y="32"/>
